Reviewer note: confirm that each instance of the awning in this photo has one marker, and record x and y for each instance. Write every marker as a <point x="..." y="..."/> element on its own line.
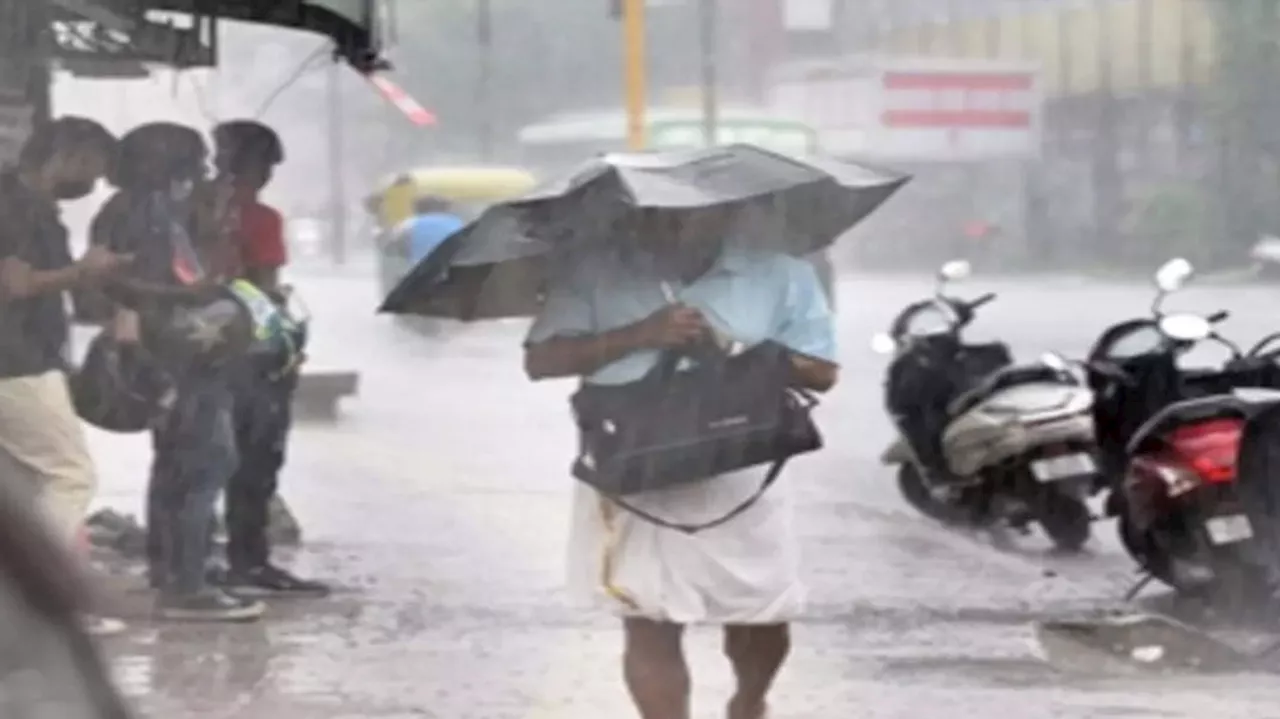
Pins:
<point x="353" y="25"/>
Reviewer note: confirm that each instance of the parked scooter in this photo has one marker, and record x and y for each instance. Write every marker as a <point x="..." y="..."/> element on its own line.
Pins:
<point x="1189" y="450"/>
<point x="985" y="441"/>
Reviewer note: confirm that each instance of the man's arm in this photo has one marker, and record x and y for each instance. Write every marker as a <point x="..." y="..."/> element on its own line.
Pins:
<point x="580" y="356"/>
<point x="19" y="280"/>
<point x="808" y="329"/>
<point x="568" y="356"/>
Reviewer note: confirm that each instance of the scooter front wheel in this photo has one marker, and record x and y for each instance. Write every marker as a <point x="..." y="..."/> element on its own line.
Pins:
<point x="916" y="490"/>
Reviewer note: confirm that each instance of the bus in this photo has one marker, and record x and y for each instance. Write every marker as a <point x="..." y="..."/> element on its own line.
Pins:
<point x="565" y="139"/>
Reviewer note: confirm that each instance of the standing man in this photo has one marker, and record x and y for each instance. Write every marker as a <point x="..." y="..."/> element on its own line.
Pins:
<point x="42" y="442"/>
<point x="152" y="217"/>
<point x="246" y="154"/>
<point x="607" y="322"/>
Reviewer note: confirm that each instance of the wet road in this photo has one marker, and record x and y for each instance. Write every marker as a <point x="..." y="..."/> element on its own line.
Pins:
<point x="439" y="502"/>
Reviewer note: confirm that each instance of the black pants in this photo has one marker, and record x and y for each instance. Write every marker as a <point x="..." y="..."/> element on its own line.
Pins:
<point x="195" y="454"/>
<point x="262" y="419"/>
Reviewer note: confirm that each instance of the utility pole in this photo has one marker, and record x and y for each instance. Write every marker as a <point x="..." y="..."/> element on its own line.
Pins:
<point x="337" y="168"/>
<point x="708" y="26"/>
<point x="484" y="97"/>
<point x="635" y="79"/>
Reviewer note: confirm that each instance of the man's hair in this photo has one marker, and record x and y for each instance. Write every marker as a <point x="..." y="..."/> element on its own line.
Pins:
<point x="241" y="145"/>
<point x="425" y="204"/>
<point x="66" y="134"/>
<point x="154" y="154"/>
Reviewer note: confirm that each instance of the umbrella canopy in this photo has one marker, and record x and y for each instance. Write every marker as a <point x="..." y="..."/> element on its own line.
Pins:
<point x="498" y="265"/>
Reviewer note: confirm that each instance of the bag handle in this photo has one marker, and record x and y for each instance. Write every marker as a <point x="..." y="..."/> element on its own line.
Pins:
<point x="775" y="471"/>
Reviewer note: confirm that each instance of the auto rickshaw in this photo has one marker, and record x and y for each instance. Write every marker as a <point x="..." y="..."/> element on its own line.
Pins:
<point x="469" y="189"/>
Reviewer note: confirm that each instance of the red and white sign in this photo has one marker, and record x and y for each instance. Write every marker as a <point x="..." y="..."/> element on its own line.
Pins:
<point x="403" y="101"/>
<point x="958" y="100"/>
<point x="932" y="109"/>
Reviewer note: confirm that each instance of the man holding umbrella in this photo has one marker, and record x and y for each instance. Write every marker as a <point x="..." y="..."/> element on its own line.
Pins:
<point x="606" y="324"/>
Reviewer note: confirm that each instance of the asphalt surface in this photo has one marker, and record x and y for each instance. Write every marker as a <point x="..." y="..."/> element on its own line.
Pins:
<point x="439" y="503"/>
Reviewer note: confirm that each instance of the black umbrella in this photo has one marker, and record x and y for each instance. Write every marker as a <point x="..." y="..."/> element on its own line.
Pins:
<point x="498" y="265"/>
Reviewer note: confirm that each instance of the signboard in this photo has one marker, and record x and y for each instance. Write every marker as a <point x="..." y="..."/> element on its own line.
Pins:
<point x="149" y="40"/>
<point x="933" y="109"/>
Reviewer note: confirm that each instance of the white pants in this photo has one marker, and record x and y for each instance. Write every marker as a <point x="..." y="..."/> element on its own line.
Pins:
<point x="42" y="445"/>
<point x="745" y="571"/>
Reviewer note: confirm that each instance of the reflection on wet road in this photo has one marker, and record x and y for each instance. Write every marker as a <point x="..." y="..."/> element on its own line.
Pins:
<point x="439" y="502"/>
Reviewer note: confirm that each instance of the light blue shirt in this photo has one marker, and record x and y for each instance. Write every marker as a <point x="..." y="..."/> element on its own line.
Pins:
<point x="429" y="230"/>
<point x="747" y="296"/>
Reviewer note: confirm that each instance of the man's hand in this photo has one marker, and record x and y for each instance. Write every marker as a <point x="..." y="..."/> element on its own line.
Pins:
<point x="814" y="374"/>
<point x="568" y="356"/>
<point x="126" y="327"/>
<point x="673" y="326"/>
<point x="99" y="262"/>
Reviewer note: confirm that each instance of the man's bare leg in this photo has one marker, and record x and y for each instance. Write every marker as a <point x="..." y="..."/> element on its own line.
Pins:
<point x="655" y="669"/>
<point x="757" y="653"/>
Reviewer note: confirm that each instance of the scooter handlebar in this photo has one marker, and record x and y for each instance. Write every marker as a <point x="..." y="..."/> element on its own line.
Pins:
<point x="984" y="299"/>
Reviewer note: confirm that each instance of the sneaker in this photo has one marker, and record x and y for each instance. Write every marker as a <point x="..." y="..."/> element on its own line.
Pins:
<point x="268" y="580"/>
<point x="210" y="605"/>
<point x="96" y="626"/>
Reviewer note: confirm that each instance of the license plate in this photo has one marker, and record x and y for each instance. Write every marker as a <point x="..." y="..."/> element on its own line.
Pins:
<point x="1067" y="466"/>
<point x="1229" y="529"/>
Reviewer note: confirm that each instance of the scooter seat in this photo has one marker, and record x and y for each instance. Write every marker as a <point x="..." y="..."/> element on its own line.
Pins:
<point x="999" y="380"/>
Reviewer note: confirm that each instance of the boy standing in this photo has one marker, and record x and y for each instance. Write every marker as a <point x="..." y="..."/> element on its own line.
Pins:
<point x="253" y="236"/>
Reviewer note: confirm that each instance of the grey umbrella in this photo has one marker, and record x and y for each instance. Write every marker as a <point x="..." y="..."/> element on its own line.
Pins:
<point x="497" y="265"/>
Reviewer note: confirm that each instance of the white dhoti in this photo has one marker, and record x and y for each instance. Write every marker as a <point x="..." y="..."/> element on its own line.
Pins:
<point x="745" y="571"/>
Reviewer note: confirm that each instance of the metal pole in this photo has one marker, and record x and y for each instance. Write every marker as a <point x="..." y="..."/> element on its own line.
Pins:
<point x="337" y="183"/>
<point x="708" y="16"/>
<point x="634" y="76"/>
<point x="484" y="38"/>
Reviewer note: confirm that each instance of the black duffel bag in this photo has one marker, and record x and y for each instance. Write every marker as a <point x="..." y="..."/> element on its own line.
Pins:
<point x="674" y="428"/>
<point x="119" y="388"/>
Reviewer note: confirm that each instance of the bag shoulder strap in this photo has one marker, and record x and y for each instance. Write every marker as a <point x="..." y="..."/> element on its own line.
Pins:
<point x="775" y="471"/>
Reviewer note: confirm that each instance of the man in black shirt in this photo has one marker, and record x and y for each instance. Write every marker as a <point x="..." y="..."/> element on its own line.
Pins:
<point x="41" y="440"/>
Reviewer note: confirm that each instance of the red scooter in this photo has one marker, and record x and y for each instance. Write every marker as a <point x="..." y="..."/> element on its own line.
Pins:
<point x="1188" y="452"/>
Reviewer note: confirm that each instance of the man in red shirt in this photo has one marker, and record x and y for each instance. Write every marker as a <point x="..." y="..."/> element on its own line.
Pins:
<point x="253" y="248"/>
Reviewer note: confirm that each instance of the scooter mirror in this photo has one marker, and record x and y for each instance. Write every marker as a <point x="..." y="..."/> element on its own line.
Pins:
<point x="883" y="344"/>
<point x="1267" y="250"/>
<point x="954" y="271"/>
<point x="1054" y="362"/>
<point x="1173" y="274"/>
<point x="1185" y="328"/>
